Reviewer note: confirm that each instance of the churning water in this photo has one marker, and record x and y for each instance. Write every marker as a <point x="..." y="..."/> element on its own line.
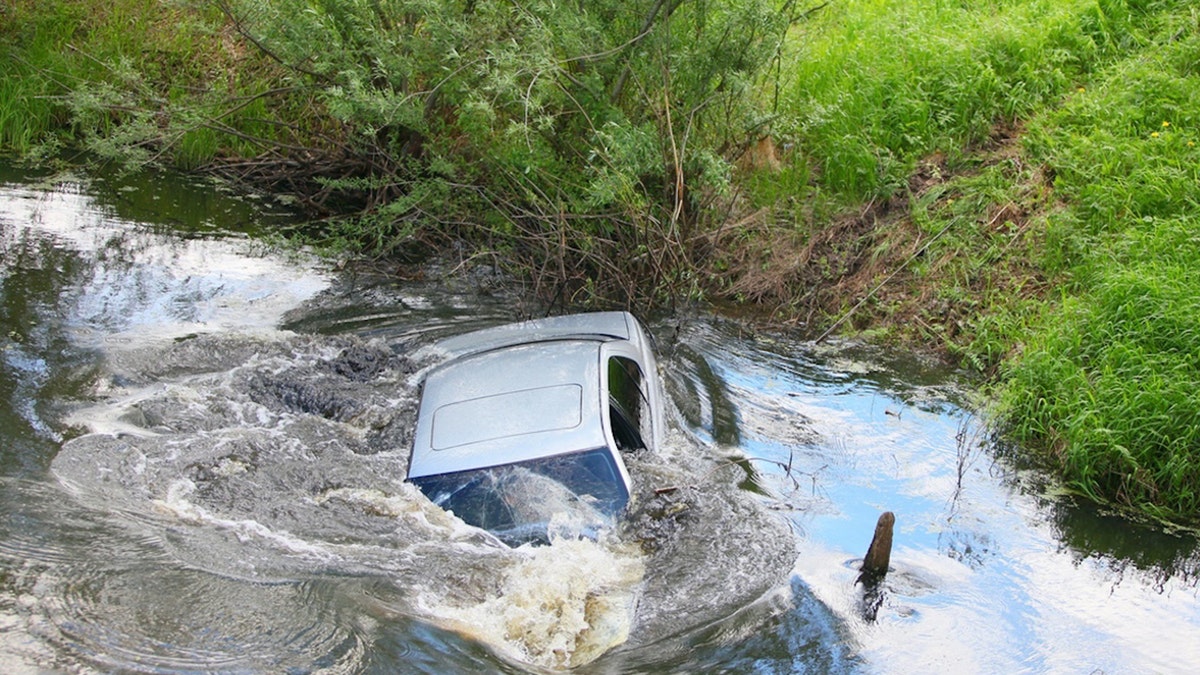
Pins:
<point x="203" y="444"/>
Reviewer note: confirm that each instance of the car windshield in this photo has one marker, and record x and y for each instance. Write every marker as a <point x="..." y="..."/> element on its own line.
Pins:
<point x="573" y="495"/>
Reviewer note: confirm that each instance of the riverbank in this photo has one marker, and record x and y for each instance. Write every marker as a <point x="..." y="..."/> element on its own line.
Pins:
<point x="1014" y="187"/>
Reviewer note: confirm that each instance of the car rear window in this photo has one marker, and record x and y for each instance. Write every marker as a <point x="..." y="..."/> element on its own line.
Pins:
<point x="580" y="491"/>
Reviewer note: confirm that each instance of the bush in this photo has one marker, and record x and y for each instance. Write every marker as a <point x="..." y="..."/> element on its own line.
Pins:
<point x="595" y="134"/>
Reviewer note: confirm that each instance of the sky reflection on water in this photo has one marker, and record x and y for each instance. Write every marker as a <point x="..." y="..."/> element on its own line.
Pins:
<point x="992" y="570"/>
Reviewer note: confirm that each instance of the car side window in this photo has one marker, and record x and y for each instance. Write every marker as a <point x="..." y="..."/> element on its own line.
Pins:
<point x="628" y="409"/>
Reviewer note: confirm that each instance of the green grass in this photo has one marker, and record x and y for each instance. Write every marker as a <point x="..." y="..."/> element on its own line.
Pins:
<point x="30" y="43"/>
<point x="1106" y="386"/>
<point x="1070" y="267"/>
<point x="870" y="88"/>
<point x="23" y="116"/>
<point x="1108" y="390"/>
<point x="135" y="80"/>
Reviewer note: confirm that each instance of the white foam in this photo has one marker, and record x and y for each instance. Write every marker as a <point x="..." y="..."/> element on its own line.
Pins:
<point x="560" y="607"/>
<point x="176" y="504"/>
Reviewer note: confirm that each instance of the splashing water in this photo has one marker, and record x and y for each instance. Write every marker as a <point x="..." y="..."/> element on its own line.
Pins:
<point x="269" y="458"/>
<point x="561" y="606"/>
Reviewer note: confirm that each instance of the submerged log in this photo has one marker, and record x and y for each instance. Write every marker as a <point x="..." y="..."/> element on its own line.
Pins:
<point x="879" y="553"/>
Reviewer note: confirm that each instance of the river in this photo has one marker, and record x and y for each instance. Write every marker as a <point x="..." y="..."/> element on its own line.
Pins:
<point x="203" y="440"/>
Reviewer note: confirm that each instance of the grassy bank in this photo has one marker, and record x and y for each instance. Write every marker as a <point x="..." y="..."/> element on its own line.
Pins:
<point x="143" y="81"/>
<point x="1032" y="187"/>
<point x="1012" y="184"/>
<point x="873" y="87"/>
<point x="1107" y="384"/>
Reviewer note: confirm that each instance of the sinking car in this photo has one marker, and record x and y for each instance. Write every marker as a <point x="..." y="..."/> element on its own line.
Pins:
<point x="521" y="430"/>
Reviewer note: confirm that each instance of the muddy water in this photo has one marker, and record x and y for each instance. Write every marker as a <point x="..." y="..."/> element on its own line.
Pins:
<point x="203" y="445"/>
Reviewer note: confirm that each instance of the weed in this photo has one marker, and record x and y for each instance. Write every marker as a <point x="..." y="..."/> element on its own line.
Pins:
<point x="873" y="90"/>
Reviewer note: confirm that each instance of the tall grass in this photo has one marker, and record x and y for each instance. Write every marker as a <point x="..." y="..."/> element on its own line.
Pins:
<point x="24" y="115"/>
<point x="1107" y="384"/>
<point x="131" y="79"/>
<point x="1108" y="389"/>
<point x="1072" y="264"/>
<point x="872" y="87"/>
<point x="30" y="47"/>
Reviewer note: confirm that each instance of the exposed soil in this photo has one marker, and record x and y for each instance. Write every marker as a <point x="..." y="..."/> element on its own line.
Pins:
<point x="875" y="269"/>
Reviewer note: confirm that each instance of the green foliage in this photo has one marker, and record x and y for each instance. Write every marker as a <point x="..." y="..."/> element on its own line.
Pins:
<point x="1106" y="383"/>
<point x="593" y="129"/>
<point x="27" y="38"/>
<point x="1070" y="270"/>
<point x="1109" y="388"/>
<point x="872" y="90"/>
<point x="24" y="116"/>
<point x="133" y="80"/>
<point x="1123" y="151"/>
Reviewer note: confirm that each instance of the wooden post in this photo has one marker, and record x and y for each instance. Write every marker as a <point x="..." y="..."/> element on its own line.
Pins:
<point x="879" y="553"/>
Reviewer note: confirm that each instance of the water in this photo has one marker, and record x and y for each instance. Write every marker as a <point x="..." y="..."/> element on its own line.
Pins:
<point x="203" y="447"/>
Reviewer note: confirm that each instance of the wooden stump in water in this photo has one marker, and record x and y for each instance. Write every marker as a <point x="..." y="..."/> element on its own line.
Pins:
<point x="879" y="553"/>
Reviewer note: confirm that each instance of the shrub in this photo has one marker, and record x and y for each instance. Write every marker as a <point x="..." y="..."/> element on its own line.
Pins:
<point x="598" y="132"/>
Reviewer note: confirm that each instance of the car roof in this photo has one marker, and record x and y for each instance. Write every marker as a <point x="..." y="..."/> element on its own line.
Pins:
<point x="515" y="393"/>
<point x="595" y="325"/>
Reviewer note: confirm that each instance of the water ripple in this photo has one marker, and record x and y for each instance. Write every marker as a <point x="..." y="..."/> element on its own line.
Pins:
<point x="103" y="591"/>
<point x="177" y="620"/>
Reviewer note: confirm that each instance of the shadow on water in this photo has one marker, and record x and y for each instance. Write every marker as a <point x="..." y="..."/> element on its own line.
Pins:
<point x="1093" y="535"/>
<point x="39" y="365"/>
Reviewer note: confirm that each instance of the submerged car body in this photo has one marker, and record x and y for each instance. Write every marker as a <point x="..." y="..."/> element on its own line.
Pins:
<point x="521" y="430"/>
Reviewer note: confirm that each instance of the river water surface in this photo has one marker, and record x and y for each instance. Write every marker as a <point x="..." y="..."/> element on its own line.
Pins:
<point x="203" y="443"/>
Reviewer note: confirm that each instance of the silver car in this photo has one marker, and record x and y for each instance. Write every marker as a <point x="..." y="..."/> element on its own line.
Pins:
<point x="521" y="430"/>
